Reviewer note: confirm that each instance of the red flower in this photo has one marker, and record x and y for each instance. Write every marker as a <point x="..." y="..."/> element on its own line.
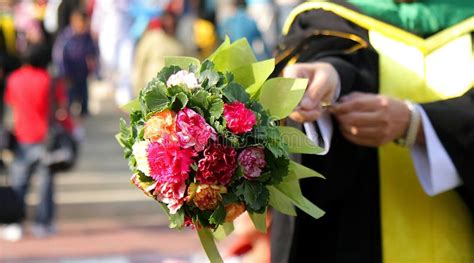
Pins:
<point x="252" y="160"/>
<point x="218" y="165"/>
<point x="169" y="163"/>
<point x="193" y="130"/>
<point x="239" y="119"/>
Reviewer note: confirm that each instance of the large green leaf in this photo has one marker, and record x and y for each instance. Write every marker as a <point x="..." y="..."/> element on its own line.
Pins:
<point x="234" y="56"/>
<point x="182" y="62"/>
<point x="259" y="220"/>
<point x="302" y="171"/>
<point x="281" y="202"/>
<point x="218" y="50"/>
<point x="252" y="76"/>
<point x="297" y="141"/>
<point x="131" y="106"/>
<point x="280" y="96"/>
<point x="290" y="187"/>
<point x="207" y="242"/>
<point x="223" y="231"/>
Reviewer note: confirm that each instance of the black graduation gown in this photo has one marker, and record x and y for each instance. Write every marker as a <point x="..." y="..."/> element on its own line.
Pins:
<point x="350" y="230"/>
<point x="453" y="122"/>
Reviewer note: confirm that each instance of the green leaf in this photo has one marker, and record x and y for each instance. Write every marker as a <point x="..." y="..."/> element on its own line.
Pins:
<point x="182" y="62"/>
<point x="153" y="97"/>
<point x="235" y="92"/>
<point x="297" y="141"/>
<point x="229" y="198"/>
<point x="278" y="167"/>
<point x="259" y="221"/>
<point x="209" y="78"/>
<point x="252" y="76"/>
<point x="302" y="171"/>
<point x="254" y="194"/>
<point x="274" y="142"/>
<point x="223" y="231"/>
<point x="200" y="99"/>
<point x="131" y="106"/>
<point x="166" y="72"/>
<point x="281" y="202"/>
<point x="207" y="242"/>
<point x="280" y="96"/>
<point x="234" y="56"/>
<point x="216" y="107"/>
<point x="218" y="216"/>
<point x="290" y="188"/>
<point x="177" y="220"/>
<point x="180" y="101"/>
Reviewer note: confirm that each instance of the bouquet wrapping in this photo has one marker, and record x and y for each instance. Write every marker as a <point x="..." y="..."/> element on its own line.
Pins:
<point x="204" y="141"/>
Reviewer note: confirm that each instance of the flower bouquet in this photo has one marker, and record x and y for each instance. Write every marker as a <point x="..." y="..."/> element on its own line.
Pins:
<point x="203" y="141"/>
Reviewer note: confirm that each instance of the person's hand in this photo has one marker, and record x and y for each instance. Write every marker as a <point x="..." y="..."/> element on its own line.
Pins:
<point x="370" y="119"/>
<point x="323" y="81"/>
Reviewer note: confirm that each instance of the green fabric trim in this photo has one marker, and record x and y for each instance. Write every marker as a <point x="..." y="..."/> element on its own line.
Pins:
<point x="423" y="18"/>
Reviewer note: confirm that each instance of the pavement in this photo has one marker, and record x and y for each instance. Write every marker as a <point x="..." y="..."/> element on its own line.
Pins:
<point x="101" y="217"/>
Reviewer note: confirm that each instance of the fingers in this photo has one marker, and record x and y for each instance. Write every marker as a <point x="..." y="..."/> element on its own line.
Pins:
<point x="360" y="102"/>
<point x="305" y="116"/>
<point x="364" y="141"/>
<point x="361" y="119"/>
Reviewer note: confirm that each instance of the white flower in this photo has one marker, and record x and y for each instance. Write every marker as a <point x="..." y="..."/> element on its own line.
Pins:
<point x="183" y="77"/>
<point x="139" y="150"/>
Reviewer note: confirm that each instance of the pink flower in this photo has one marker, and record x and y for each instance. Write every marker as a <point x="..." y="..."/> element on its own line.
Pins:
<point x="218" y="165"/>
<point x="169" y="163"/>
<point x="239" y="119"/>
<point x="171" y="194"/>
<point x="252" y="161"/>
<point x="192" y="130"/>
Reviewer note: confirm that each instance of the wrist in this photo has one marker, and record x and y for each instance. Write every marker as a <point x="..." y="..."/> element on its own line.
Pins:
<point x="411" y="133"/>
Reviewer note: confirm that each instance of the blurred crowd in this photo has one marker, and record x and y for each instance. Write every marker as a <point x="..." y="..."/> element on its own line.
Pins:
<point x="51" y="51"/>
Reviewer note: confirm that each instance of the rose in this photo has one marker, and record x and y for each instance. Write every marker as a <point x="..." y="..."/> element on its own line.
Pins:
<point x="252" y="161"/>
<point x="218" y="164"/>
<point x="238" y="118"/>
<point x="183" y="77"/>
<point x="192" y="130"/>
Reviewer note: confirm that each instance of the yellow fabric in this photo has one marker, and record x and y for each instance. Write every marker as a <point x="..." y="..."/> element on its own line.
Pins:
<point x="8" y="27"/>
<point x="417" y="228"/>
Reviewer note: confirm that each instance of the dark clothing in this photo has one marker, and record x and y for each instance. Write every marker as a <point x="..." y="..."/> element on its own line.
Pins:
<point x="350" y="229"/>
<point x="77" y="50"/>
<point x="453" y="121"/>
<point x="28" y="161"/>
<point x="79" y="93"/>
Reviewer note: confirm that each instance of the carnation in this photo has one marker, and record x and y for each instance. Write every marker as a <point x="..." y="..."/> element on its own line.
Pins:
<point x="160" y="125"/>
<point x="218" y="164"/>
<point x="239" y="119"/>
<point x="192" y="130"/>
<point x="207" y="197"/>
<point x="171" y="194"/>
<point x="252" y="161"/>
<point x="169" y="162"/>
<point x="140" y="152"/>
<point x="183" y="77"/>
<point x="233" y="211"/>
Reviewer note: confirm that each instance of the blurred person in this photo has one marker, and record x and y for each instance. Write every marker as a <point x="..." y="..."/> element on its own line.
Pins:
<point x="79" y="60"/>
<point x="158" y="41"/>
<point x="439" y="135"/>
<point x="111" y="24"/>
<point x="283" y="9"/>
<point x="264" y="14"/>
<point x="241" y="25"/>
<point x="374" y="47"/>
<point x="27" y="94"/>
